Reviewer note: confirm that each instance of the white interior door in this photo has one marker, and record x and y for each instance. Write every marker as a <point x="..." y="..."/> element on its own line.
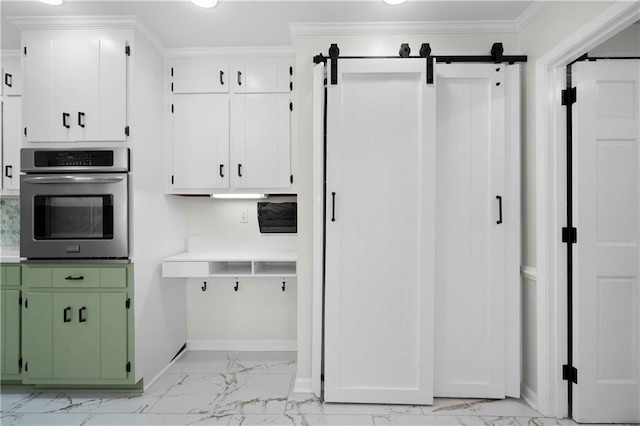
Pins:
<point x="470" y="231"/>
<point x="607" y="260"/>
<point x="379" y="289"/>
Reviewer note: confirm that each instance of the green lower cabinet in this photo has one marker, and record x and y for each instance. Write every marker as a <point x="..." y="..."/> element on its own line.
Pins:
<point x="79" y="337"/>
<point x="10" y="317"/>
<point x="10" y="345"/>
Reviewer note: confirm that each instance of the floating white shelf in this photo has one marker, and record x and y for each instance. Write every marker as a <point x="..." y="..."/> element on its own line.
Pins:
<point x="234" y="264"/>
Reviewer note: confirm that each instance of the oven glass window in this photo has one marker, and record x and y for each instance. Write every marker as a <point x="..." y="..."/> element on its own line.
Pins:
<point x="72" y="217"/>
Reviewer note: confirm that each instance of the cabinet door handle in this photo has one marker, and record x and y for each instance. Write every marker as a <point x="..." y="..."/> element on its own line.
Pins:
<point x="65" y="119"/>
<point x="81" y="311"/>
<point x="8" y="80"/>
<point x="221" y="80"/>
<point x="333" y="207"/>
<point x="8" y="171"/>
<point x="81" y="119"/>
<point x="239" y="78"/>
<point x="239" y="170"/>
<point x="67" y="318"/>
<point x="499" y="198"/>
<point x="221" y="171"/>
<point x="72" y="278"/>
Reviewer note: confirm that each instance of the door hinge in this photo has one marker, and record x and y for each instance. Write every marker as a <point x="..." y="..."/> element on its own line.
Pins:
<point x="20" y="363"/>
<point x="26" y="367"/>
<point x="25" y="51"/>
<point x="126" y="130"/>
<point x="25" y="132"/>
<point x="171" y="71"/>
<point x="569" y="235"/>
<point x="171" y="179"/>
<point x="171" y="108"/>
<point x="127" y="304"/>
<point x="291" y="179"/>
<point x="290" y="106"/>
<point x="171" y="87"/>
<point x="291" y="86"/>
<point x="128" y="367"/>
<point x="570" y="373"/>
<point x="569" y="96"/>
<point x="127" y="50"/>
<point x="20" y="300"/>
<point x="291" y="71"/>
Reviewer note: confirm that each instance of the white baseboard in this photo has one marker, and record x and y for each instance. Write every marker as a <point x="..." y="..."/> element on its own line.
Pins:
<point x="302" y="385"/>
<point x="147" y="384"/>
<point x="242" y="345"/>
<point x="529" y="396"/>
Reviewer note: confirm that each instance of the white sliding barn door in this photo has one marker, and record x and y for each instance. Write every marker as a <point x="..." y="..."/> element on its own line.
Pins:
<point x="379" y="289"/>
<point x="607" y="260"/>
<point x="470" y="292"/>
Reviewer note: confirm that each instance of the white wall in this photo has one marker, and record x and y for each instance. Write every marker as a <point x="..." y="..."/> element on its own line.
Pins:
<point x="625" y="43"/>
<point x="306" y="48"/>
<point x="259" y="314"/>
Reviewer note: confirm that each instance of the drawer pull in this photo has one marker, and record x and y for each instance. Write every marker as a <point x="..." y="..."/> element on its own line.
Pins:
<point x="72" y="278"/>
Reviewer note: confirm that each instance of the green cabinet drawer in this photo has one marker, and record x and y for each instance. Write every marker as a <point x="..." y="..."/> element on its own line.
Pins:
<point x="35" y="276"/>
<point x="113" y="277"/>
<point x="10" y="275"/>
<point x="75" y="277"/>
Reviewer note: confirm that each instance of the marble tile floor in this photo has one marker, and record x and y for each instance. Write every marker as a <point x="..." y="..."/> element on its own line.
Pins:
<point x="242" y="388"/>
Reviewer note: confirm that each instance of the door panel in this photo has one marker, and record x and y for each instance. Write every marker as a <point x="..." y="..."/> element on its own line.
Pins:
<point x="76" y="342"/>
<point x="10" y="317"/>
<point x="607" y="260"/>
<point x="470" y="244"/>
<point x="201" y="141"/>
<point x="37" y="338"/>
<point x="39" y="119"/>
<point x="200" y="75"/>
<point x="112" y="94"/>
<point x="380" y="234"/>
<point x="114" y="336"/>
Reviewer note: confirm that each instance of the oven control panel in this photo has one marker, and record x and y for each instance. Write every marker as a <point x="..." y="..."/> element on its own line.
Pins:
<point x="69" y="160"/>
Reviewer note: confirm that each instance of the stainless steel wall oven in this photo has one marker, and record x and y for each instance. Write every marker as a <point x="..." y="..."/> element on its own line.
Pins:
<point x="74" y="203"/>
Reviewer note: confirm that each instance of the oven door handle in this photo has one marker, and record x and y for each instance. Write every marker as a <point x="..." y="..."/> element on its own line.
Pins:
<point x="73" y="179"/>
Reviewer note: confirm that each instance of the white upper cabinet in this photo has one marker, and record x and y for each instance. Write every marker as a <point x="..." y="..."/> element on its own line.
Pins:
<point x="263" y="75"/>
<point x="75" y="87"/>
<point x="231" y="121"/>
<point x="200" y="75"/>
<point x="11" y="78"/>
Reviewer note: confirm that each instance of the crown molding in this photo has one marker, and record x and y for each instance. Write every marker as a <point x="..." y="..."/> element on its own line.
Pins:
<point x="532" y="11"/>
<point x="401" y="28"/>
<point x="229" y="51"/>
<point x="87" y="22"/>
<point x="10" y="54"/>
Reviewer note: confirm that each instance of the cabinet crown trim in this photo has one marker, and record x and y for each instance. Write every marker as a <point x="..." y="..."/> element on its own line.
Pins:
<point x="230" y="52"/>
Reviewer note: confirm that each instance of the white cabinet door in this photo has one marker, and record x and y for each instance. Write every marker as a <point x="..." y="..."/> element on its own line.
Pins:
<point x="75" y="89"/>
<point x="199" y="75"/>
<point x="470" y="231"/>
<point x="11" y="141"/>
<point x="606" y="283"/>
<point x="200" y="141"/>
<point x="261" y="141"/>
<point x="380" y="233"/>
<point x="11" y="77"/>
<point x="262" y="76"/>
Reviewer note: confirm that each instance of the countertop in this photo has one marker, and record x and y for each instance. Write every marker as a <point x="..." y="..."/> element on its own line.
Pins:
<point x="10" y="255"/>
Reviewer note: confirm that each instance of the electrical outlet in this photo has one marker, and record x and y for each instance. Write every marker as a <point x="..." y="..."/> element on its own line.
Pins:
<point x="244" y="216"/>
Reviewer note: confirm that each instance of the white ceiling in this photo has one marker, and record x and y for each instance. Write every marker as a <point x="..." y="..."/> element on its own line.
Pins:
<point x="233" y="23"/>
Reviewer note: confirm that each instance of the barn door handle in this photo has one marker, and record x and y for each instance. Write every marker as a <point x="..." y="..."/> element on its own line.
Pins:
<point x="221" y="80"/>
<point x="239" y="170"/>
<point x="66" y="311"/>
<point x="333" y="207"/>
<point x="8" y="80"/>
<point x="80" y="314"/>
<point x="499" y="198"/>
<point x="239" y="78"/>
<point x="221" y="171"/>
<point x="81" y="119"/>
<point x="8" y="171"/>
<point x="65" y="119"/>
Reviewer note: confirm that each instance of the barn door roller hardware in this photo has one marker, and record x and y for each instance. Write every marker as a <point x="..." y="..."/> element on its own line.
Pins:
<point x="497" y="56"/>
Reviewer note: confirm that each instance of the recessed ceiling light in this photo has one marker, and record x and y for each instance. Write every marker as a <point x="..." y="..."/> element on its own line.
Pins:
<point x="394" y="2"/>
<point x="52" y="2"/>
<point x="207" y="4"/>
